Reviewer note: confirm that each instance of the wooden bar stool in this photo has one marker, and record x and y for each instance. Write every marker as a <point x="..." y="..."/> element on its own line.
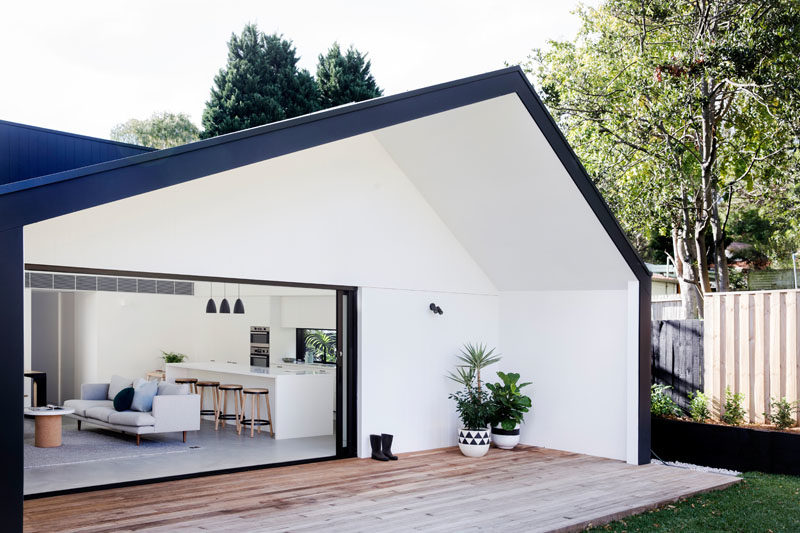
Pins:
<point x="214" y="386"/>
<point x="192" y="382"/>
<point x="255" y="410"/>
<point x="237" y="401"/>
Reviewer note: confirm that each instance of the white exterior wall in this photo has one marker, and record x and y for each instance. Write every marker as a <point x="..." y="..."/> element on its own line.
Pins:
<point x="573" y="346"/>
<point x="405" y="353"/>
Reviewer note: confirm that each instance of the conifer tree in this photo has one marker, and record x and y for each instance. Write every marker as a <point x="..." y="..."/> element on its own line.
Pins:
<point x="345" y="78"/>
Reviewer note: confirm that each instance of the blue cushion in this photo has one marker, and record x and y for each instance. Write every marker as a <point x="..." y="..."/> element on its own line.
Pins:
<point x="123" y="399"/>
<point x="143" y="394"/>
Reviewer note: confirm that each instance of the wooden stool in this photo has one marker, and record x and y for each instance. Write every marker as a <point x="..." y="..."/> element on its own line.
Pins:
<point x="160" y="375"/>
<point x="255" y="410"/>
<point x="237" y="400"/>
<point x="192" y="382"/>
<point x="214" y="386"/>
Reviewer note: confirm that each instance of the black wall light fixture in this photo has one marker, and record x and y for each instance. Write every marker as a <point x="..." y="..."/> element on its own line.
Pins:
<point x="238" y="307"/>
<point x="224" y="306"/>
<point x="436" y="309"/>
<point x="211" y="306"/>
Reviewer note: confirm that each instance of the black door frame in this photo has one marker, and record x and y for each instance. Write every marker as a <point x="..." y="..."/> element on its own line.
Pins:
<point x="346" y="369"/>
<point x="349" y="299"/>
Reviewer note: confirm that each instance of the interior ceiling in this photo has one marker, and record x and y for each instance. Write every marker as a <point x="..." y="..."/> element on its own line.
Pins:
<point x="495" y="181"/>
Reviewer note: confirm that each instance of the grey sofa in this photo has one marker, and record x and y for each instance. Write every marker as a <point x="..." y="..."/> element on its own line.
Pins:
<point x="174" y="410"/>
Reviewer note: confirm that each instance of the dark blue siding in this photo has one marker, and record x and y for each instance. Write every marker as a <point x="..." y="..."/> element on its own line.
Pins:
<point x="28" y="151"/>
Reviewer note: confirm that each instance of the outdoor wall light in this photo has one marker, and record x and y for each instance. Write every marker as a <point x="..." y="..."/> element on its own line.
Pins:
<point x="436" y="309"/>
<point x="238" y="307"/>
<point x="211" y="306"/>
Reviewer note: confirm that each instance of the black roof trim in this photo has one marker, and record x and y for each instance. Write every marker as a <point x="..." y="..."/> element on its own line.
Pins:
<point x="43" y="197"/>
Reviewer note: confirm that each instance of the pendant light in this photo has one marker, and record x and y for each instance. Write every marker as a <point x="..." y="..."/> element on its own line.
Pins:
<point x="238" y="307"/>
<point x="211" y="306"/>
<point x="224" y="307"/>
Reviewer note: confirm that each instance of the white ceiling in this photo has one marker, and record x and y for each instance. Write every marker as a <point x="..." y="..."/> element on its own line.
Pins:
<point x="493" y="178"/>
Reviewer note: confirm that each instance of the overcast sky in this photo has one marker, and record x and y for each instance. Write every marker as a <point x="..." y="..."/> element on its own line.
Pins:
<point x="84" y="66"/>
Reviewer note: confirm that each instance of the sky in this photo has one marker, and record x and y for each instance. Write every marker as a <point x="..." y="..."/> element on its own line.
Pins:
<point x="85" y="66"/>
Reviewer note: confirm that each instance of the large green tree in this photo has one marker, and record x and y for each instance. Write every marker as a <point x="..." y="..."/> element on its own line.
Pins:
<point x="161" y="130"/>
<point x="260" y="83"/>
<point x="345" y="77"/>
<point x="681" y="111"/>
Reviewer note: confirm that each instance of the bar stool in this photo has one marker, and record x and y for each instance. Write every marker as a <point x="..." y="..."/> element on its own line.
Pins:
<point x="192" y="382"/>
<point x="255" y="410"/>
<point x="237" y="400"/>
<point x="214" y="386"/>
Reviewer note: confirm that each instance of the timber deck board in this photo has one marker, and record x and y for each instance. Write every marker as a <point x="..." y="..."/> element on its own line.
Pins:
<point x="526" y="489"/>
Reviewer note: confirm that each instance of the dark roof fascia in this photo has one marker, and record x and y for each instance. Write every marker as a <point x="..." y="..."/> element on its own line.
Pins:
<point x="580" y="177"/>
<point x="44" y="197"/>
<point x="77" y="136"/>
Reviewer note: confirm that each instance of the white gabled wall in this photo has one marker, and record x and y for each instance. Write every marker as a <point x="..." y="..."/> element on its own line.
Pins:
<point x="573" y="346"/>
<point x="405" y="354"/>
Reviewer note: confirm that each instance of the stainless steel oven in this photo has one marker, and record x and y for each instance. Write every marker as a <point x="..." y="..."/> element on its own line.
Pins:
<point x="259" y="346"/>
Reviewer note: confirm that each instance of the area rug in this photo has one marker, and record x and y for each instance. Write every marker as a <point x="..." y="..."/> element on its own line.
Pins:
<point x="95" y="444"/>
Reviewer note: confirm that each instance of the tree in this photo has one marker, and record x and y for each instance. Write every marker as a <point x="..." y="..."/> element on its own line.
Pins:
<point x="681" y="111"/>
<point x="345" y="78"/>
<point x="161" y="130"/>
<point x="259" y="84"/>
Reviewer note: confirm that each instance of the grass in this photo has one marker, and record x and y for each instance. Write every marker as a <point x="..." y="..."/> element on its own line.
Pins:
<point x="762" y="503"/>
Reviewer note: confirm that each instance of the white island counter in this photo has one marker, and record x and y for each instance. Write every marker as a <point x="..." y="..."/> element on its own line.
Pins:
<point x="302" y="397"/>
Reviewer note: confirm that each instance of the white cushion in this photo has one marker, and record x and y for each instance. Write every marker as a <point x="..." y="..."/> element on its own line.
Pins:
<point x="117" y="384"/>
<point x="131" y="418"/>
<point x="81" y="406"/>
<point x="100" y="413"/>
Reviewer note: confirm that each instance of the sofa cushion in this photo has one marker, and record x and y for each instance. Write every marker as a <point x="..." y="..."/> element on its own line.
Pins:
<point x="170" y="389"/>
<point x="124" y="399"/>
<point x="81" y="406"/>
<point x="131" y="418"/>
<point x="117" y="384"/>
<point x="100" y="413"/>
<point x="143" y="394"/>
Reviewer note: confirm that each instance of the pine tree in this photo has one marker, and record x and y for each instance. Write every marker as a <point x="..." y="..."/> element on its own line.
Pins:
<point x="259" y="84"/>
<point x="345" y="78"/>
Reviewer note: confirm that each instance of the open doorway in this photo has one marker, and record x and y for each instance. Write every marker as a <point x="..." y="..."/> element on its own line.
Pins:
<point x="244" y="374"/>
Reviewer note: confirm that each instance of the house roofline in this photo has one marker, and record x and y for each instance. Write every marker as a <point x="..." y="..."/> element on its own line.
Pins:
<point x="77" y="136"/>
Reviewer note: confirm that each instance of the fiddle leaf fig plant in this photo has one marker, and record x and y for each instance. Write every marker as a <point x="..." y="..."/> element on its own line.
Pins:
<point x="509" y="404"/>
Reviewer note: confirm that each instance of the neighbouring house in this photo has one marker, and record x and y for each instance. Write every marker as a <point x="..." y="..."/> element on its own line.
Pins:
<point x="455" y="195"/>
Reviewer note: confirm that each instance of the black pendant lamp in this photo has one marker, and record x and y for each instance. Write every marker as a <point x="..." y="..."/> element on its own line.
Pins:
<point x="224" y="307"/>
<point x="211" y="306"/>
<point x="238" y="307"/>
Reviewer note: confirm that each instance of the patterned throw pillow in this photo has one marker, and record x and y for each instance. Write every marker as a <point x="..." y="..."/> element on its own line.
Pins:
<point x="123" y="399"/>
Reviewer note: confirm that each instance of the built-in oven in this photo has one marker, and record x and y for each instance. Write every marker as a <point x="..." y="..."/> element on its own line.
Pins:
<point x="259" y="346"/>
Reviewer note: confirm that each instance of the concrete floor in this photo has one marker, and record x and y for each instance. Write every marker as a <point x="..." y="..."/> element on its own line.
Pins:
<point x="217" y="450"/>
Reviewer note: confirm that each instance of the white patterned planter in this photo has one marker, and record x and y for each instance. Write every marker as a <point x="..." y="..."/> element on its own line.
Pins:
<point x="505" y="439"/>
<point x="474" y="442"/>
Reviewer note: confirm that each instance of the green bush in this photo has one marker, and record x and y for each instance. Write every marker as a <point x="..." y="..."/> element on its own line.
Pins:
<point x="781" y="413"/>
<point x="734" y="408"/>
<point x="698" y="407"/>
<point x="661" y="403"/>
<point x="509" y="404"/>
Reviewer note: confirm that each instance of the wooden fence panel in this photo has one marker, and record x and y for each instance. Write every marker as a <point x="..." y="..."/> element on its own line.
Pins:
<point x="677" y="357"/>
<point x="752" y="345"/>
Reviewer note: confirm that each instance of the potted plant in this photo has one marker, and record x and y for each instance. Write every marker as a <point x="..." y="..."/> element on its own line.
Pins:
<point x="172" y="357"/>
<point x="509" y="408"/>
<point x="473" y="402"/>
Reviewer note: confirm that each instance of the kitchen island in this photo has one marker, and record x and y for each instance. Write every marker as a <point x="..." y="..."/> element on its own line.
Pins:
<point x="302" y="397"/>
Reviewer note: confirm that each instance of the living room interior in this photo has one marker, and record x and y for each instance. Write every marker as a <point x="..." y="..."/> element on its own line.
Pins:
<point x="205" y="347"/>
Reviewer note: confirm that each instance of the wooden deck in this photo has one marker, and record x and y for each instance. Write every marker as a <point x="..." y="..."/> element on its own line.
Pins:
<point x="528" y="489"/>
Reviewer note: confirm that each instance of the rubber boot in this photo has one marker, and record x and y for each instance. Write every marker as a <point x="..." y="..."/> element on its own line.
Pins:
<point x="386" y="446"/>
<point x="377" y="454"/>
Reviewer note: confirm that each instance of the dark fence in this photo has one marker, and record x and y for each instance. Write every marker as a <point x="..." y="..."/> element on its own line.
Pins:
<point x="677" y="350"/>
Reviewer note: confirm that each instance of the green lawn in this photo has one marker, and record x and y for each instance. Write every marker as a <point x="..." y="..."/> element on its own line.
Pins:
<point x="760" y="503"/>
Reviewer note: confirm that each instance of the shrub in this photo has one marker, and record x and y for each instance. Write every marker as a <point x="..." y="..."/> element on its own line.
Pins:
<point x="661" y="403"/>
<point x="782" y="409"/>
<point x="734" y="408"/>
<point x="698" y="407"/>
